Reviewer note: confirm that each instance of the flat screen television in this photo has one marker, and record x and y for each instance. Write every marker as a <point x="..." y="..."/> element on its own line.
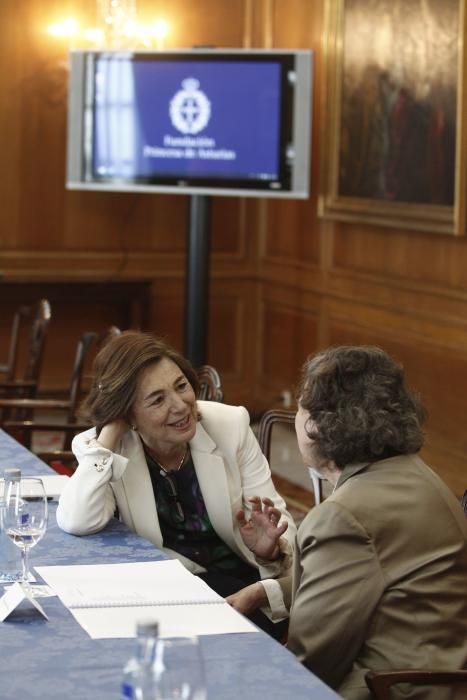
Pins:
<point x="198" y="121"/>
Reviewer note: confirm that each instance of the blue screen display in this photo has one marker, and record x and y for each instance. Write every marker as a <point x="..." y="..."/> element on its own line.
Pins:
<point x="186" y="119"/>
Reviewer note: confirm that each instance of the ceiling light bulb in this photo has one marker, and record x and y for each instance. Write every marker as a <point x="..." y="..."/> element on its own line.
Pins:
<point x="160" y="29"/>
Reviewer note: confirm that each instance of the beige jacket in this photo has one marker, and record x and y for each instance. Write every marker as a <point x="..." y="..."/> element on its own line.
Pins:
<point x="380" y="577"/>
<point x="229" y="465"/>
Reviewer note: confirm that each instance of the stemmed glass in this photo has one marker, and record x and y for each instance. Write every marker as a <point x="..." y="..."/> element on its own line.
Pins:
<point x="26" y="519"/>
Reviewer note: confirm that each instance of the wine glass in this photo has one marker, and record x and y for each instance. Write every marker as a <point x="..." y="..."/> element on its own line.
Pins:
<point x="26" y="519"/>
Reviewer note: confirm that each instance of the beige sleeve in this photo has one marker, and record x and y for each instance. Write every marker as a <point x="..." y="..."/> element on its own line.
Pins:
<point x="340" y="584"/>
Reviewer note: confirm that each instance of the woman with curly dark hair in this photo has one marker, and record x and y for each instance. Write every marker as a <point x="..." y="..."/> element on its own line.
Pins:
<point x="381" y="565"/>
<point x="360" y="406"/>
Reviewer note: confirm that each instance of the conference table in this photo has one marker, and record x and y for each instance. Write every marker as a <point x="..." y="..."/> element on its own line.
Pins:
<point x="56" y="659"/>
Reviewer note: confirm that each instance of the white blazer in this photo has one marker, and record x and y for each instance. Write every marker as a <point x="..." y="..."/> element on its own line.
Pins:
<point x="229" y="465"/>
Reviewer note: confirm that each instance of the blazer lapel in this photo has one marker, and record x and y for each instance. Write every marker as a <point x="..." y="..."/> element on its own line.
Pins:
<point x="210" y="470"/>
<point x="212" y="478"/>
<point x="137" y="485"/>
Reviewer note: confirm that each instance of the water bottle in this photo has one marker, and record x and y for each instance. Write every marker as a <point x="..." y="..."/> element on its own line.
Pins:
<point x="10" y="557"/>
<point x="163" y="669"/>
<point x="137" y="679"/>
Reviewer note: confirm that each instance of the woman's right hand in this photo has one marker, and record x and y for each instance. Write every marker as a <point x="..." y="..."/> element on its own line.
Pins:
<point x="112" y="433"/>
<point x="262" y="532"/>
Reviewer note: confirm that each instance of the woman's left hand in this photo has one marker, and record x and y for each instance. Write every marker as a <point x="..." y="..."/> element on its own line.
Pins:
<point x="262" y="532"/>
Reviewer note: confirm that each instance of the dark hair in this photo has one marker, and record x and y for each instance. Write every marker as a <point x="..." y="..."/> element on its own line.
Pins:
<point x="116" y="371"/>
<point x="362" y="410"/>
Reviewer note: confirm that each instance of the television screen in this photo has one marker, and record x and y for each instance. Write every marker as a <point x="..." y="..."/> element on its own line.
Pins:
<point x="200" y="121"/>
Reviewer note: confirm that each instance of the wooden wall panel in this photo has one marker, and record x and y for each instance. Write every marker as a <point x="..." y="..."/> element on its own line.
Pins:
<point x="166" y="312"/>
<point x="283" y="281"/>
<point x="10" y="177"/>
<point x="347" y="283"/>
<point x="232" y="328"/>
<point x="38" y="213"/>
<point x="48" y="233"/>
<point x="289" y="232"/>
<point x="127" y="222"/>
<point x="429" y="258"/>
<point x="291" y="224"/>
<point x="228" y="223"/>
<point x="289" y="327"/>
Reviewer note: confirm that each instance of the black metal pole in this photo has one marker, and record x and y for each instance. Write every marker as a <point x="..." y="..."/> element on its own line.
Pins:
<point x="197" y="280"/>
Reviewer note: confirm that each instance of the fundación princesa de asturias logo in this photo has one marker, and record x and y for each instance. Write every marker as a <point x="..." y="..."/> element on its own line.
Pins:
<point x="190" y="109"/>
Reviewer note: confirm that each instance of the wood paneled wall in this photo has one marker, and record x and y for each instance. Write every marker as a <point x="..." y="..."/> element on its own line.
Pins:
<point x="283" y="282"/>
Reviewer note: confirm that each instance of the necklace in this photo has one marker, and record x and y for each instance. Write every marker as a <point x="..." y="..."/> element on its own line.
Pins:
<point x="161" y="466"/>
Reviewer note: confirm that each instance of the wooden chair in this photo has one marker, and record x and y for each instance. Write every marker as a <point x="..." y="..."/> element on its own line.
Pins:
<point x="274" y="417"/>
<point x="380" y="682"/>
<point x="210" y="384"/>
<point x="464" y="501"/>
<point x="38" y="317"/>
<point x="66" y="409"/>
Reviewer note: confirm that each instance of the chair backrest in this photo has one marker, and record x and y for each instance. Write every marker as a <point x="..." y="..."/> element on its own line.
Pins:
<point x="210" y="384"/>
<point x="85" y="343"/>
<point x="38" y="316"/>
<point x="278" y="416"/>
<point x="267" y="422"/>
<point x="380" y="683"/>
<point x="22" y="428"/>
<point x="464" y="501"/>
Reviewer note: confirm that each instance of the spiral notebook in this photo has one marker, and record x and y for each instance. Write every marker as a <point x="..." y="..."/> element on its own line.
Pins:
<point x="107" y="600"/>
<point x="165" y="582"/>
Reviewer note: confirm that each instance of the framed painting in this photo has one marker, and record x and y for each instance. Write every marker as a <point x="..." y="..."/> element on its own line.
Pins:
<point x="393" y="114"/>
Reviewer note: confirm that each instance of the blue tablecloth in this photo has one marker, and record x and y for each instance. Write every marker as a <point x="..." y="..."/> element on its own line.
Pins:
<point x="56" y="660"/>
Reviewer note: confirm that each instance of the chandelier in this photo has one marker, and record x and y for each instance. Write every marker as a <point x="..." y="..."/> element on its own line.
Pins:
<point x="118" y="21"/>
<point x="117" y="28"/>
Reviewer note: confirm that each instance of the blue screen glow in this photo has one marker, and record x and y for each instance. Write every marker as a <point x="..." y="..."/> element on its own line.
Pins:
<point x="186" y="119"/>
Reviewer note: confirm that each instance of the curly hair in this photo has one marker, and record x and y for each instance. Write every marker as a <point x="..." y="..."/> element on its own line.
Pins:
<point x="359" y="403"/>
<point x="116" y="370"/>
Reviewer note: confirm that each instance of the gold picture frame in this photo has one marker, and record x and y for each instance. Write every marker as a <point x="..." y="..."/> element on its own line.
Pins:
<point x="393" y="141"/>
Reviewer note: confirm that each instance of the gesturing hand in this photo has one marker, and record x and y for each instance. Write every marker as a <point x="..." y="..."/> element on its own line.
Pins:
<point x="262" y="532"/>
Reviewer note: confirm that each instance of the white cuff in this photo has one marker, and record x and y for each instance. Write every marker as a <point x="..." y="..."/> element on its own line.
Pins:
<point x="275" y="599"/>
<point x="277" y="567"/>
<point x="86" y="447"/>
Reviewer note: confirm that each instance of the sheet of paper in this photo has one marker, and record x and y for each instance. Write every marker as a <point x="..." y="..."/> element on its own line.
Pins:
<point x="129" y="584"/>
<point x="174" y="620"/>
<point x="109" y="599"/>
<point x="54" y="484"/>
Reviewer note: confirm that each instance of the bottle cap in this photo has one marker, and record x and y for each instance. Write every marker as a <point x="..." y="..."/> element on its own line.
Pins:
<point x="147" y="628"/>
<point x="12" y="474"/>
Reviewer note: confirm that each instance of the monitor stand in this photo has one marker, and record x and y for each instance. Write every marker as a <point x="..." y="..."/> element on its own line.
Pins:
<point x="197" y="280"/>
